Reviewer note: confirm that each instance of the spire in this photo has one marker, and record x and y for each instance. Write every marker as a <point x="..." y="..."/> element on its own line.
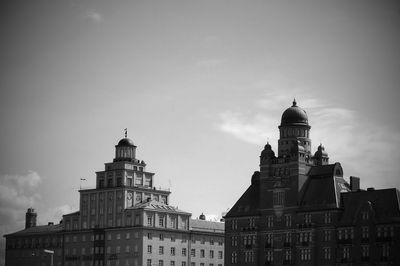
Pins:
<point x="126" y="132"/>
<point x="294" y="102"/>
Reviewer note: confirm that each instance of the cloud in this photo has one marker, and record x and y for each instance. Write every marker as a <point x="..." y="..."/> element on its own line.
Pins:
<point x="347" y="136"/>
<point x="17" y="192"/>
<point x="93" y="16"/>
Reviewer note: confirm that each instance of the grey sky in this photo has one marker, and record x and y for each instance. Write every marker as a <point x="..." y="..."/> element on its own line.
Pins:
<point x="200" y="86"/>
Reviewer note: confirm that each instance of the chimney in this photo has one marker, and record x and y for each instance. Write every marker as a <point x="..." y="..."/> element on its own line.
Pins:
<point x="30" y="218"/>
<point x="354" y="183"/>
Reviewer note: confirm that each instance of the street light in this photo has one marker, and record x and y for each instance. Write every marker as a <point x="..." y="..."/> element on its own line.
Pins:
<point x="51" y="252"/>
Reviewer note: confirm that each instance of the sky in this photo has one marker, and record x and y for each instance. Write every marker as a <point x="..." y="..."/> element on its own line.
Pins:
<point x="201" y="87"/>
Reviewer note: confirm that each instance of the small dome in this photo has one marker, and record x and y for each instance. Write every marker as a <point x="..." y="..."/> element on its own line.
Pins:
<point x="267" y="152"/>
<point x="125" y="142"/>
<point x="320" y="152"/>
<point x="294" y="115"/>
<point x="202" y="217"/>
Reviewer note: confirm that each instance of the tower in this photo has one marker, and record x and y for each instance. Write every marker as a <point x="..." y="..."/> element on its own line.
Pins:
<point x="282" y="176"/>
<point x="30" y="218"/>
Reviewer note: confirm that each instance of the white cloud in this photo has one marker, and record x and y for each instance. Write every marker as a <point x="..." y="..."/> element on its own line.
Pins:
<point x="94" y="16"/>
<point x="358" y="144"/>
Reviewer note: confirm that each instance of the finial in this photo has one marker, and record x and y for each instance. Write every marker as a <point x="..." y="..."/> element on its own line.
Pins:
<point x="126" y="132"/>
<point x="294" y="102"/>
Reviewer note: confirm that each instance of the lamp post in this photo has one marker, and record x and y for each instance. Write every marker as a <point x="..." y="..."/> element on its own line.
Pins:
<point x="51" y="252"/>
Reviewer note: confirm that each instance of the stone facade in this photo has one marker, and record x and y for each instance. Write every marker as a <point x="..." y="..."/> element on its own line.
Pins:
<point x="125" y="220"/>
<point x="300" y="210"/>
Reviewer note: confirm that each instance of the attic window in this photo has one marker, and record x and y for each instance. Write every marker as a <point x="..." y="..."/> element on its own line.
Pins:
<point x="365" y="215"/>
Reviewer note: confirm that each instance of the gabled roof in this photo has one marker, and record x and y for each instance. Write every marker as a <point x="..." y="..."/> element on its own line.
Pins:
<point x="39" y="230"/>
<point x="206" y="226"/>
<point x="157" y="206"/>
<point x="248" y="204"/>
<point x="382" y="204"/>
<point x="323" y="187"/>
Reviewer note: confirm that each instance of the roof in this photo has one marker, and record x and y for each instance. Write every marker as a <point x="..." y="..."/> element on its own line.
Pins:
<point x="72" y="213"/>
<point x="323" y="187"/>
<point x="383" y="205"/>
<point x="206" y="226"/>
<point x="126" y="142"/>
<point x="294" y="115"/>
<point x="248" y="204"/>
<point x="157" y="206"/>
<point x="39" y="230"/>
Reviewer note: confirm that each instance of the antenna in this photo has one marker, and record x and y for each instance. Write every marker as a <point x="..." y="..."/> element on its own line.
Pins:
<point x="126" y="132"/>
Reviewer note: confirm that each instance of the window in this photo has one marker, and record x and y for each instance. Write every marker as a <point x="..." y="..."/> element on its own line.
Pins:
<point x="233" y="241"/>
<point x="305" y="254"/>
<point x="202" y="253"/>
<point x="127" y="249"/>
<point x="160" y="263"/>
<point x="211" y="254"/>
<point x="118" y="236"/>
<point x="128" y="235"/>
<point x="161" y="221"/>
<point x="118" y="249"/>
<point x="193" y="252"/>
<point x="161" y="250"/>
<point x="149" y="249"/>
<point x="307" y="218"/>
<point x="149" y="220"/>
<point x="184" y="252"/>
<point x="234" y="224"/>
<point x="288" y="220"/>
<point x="385" y="250"/>
<point x="270" y="221"/>
<point x="161" y="237"/>
<point x="288" y="255"/>
<point x="327" y="218"/>
<point x="172" y="263"/>
<point x="234" y="257"/>
<point x="327" y="253"/>
<point x="172" y="251"/>
<point x="149" y="262"/>
<point x="268" y="243"/>
<point x="346" y="252"/>
<point x="365" y="232"/>
<point x="327" y="235"/>
<point x="220" y="255"/>
<point x="278" y="198"/>
<point x="183" y="263"/>
<point x="364" y="215"/>
<point x="269" y="256"/>
<point x="364" y="251"/>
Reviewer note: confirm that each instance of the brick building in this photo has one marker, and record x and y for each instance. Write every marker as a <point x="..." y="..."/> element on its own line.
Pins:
<point x="299" y="210"/>
<point x="123" y="221"/>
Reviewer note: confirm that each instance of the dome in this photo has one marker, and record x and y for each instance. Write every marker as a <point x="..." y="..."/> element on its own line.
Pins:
<point x="125" y="142"/>
<point x="320" y="152"/>
<point x="294" y="115"/>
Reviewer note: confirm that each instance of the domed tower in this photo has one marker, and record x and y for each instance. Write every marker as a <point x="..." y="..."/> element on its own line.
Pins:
<point x="294" y="132"/>
<point x="125" y="150"/>
<point x="320" y="156"/>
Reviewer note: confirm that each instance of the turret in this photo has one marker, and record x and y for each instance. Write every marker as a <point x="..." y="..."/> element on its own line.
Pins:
<point x="30" y="218"/>
<point x="294" y="127"/>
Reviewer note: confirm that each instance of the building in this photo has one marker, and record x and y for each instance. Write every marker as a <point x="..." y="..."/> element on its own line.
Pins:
<point x="299" y="210"/>
<point x="123" y="221"/>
